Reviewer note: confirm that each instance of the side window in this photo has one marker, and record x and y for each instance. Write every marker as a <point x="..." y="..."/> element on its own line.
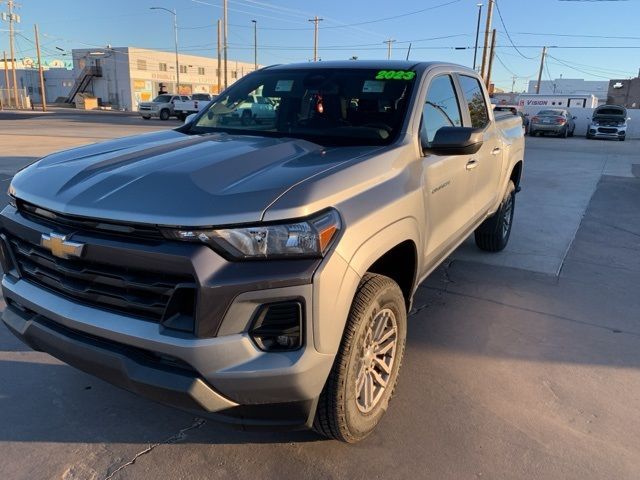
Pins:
<point x="474" y="97"/>
<point x="441" y="108"/>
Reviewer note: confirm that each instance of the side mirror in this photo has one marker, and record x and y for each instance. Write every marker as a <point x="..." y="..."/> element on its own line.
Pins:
<point x="574" y="117"/>
<point x="455" y="141"/>
<point x="190" y="118"/>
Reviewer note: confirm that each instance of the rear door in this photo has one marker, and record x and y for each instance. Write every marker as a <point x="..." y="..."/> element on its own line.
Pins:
<point x="448" y="183"/>
<point x="488" y="160"/>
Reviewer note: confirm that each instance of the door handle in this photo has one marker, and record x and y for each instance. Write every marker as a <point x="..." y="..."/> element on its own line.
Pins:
<point x="471" y="164"/>
<point x="495" y="151"/>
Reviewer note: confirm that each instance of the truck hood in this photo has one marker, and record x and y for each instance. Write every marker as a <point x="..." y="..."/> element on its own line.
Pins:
<point x="169" y="178"/>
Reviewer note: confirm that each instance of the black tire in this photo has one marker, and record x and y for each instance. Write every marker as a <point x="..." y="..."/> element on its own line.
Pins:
<point x="622" y="139"/>
<point x="164" y="114"/>
<point x="342" y="413"/>
<point x="532" y="133"/>
<point x="572" y="132"/>
<point x="147" y="118"/>
<point x="565" y="132"/>
<point x="493" y="234"/>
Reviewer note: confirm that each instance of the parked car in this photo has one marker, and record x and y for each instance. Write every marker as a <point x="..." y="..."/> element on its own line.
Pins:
<point x="557" y="121"/>
<point x="254" y="109"/>
<point x="197" y="102"/>
<point x="162" y="106"/>
<point x="262" y="273"/>
<point x="609" y="121"/>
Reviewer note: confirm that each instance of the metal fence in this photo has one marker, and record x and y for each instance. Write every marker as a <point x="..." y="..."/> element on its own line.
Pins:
<point x="8" y="101"/>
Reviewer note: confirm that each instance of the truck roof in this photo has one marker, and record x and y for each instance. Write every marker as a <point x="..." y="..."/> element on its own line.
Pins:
<point x="364" y="64"/>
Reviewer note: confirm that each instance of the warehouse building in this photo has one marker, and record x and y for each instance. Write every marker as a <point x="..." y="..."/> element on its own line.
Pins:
<point x="572" y="86"/>
<point x="58" y="81"/>
<point x="122" y="77"/>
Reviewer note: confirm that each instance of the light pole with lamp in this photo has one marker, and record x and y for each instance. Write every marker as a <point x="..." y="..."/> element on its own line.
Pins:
<point x="255" y="44"/>
<point x="175" y="33"/>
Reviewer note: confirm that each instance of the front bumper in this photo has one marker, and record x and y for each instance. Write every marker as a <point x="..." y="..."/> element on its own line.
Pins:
<point x="215" y="371"/>
<point x="607" y="131"/>
<point x="149" y="113"/>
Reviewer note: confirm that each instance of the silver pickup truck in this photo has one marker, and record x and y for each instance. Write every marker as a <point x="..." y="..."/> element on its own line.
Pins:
<point x="261" y="273"/>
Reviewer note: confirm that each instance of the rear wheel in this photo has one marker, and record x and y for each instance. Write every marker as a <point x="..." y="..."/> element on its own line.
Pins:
<point x="365" y="370"/>
<point x="493" y="234"/>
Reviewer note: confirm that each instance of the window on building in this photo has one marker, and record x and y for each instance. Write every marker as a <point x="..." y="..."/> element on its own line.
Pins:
<point x="474" y="96"/>
<point x="183" y="69"/>
<point x="162" y="67"/>
<point x="200" y="70"/>
<point x="441" y="108"/>
<point x="142" y="64"/>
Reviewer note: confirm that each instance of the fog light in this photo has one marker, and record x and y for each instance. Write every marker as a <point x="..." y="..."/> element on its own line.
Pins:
<point x="278" y="327"/>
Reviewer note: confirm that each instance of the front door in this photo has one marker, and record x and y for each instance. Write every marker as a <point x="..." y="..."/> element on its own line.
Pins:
<point x="448" y="180"/>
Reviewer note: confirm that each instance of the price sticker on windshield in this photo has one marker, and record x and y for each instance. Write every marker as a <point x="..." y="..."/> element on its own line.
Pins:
<point x="395" y="75"/>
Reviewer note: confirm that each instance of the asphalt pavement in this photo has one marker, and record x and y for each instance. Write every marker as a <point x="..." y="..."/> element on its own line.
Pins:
<point x="521" y="365"/>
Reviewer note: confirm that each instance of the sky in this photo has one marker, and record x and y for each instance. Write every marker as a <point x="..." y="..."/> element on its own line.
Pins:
<point x="575" y="30"/>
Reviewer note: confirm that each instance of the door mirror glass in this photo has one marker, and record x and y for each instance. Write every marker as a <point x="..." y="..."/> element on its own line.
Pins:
<point x="456" y="141"/>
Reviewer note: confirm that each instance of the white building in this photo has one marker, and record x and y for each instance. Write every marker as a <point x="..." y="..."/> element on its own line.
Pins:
<point x="125" y="76"/>
<point x="57" y="81"/>
<point x="572" y="86"/>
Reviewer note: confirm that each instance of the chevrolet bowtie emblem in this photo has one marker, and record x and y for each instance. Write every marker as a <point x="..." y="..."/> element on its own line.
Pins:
<point x="60" y="247"/>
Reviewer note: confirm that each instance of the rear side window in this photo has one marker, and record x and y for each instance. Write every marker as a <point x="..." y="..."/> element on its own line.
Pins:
<point x="472" y="91"/>
<point x="441" y="108"/>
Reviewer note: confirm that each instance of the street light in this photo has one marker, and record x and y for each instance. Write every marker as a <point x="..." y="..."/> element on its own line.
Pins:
<point x="255" y="44"/>
<point x="475" y="50"/>
<point x="175" y="33"/>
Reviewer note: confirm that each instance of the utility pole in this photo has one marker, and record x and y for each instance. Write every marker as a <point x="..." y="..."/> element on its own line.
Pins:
<point x="408" y="51"/>
<point x="12" y="18"/>
<point x="492" y="52"/>
<point x="513" y="84"/>
<point x="255" y="44"/>
<point x="6" y="78"/>
<point x="43" y="93"/>
<point x="315" y="21"/>
<point x="389" y="42"/>
<point x="219" y="71"/>
<point x="475" y="50"/>
<point x="485" y="50"/>
<point x="225" y="46"/>
<point x="544" y="52"/>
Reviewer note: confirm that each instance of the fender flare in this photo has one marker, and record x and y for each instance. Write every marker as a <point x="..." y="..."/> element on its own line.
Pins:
<point x="332" y="306"/>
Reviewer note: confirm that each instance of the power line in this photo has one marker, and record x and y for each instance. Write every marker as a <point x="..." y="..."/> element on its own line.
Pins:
<point x="509" y="36"/>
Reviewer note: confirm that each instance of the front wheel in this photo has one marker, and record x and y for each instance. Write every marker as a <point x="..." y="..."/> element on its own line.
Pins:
<point x="365" y="370"/>
<point x="493" y="234"/>
<point x="164" y="114"/>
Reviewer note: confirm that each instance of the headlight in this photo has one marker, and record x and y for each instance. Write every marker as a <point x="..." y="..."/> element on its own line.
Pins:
<point x="306" y="238"/>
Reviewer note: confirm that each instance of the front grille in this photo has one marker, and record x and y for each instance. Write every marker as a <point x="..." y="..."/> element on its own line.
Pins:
<point x="55" y="219"/>
<point x="607" y="130"/>
<point x="134" y="292"/>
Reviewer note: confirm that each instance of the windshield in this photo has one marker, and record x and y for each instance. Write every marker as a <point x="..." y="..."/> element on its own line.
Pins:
<point x="550" y="112"/>
<point x="162" y="99"/>
<point x="610" y="111"/>
<point x="325" y="106"/>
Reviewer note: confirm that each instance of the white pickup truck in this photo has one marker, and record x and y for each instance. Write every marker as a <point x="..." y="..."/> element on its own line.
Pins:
<point x="197" y="102"/>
